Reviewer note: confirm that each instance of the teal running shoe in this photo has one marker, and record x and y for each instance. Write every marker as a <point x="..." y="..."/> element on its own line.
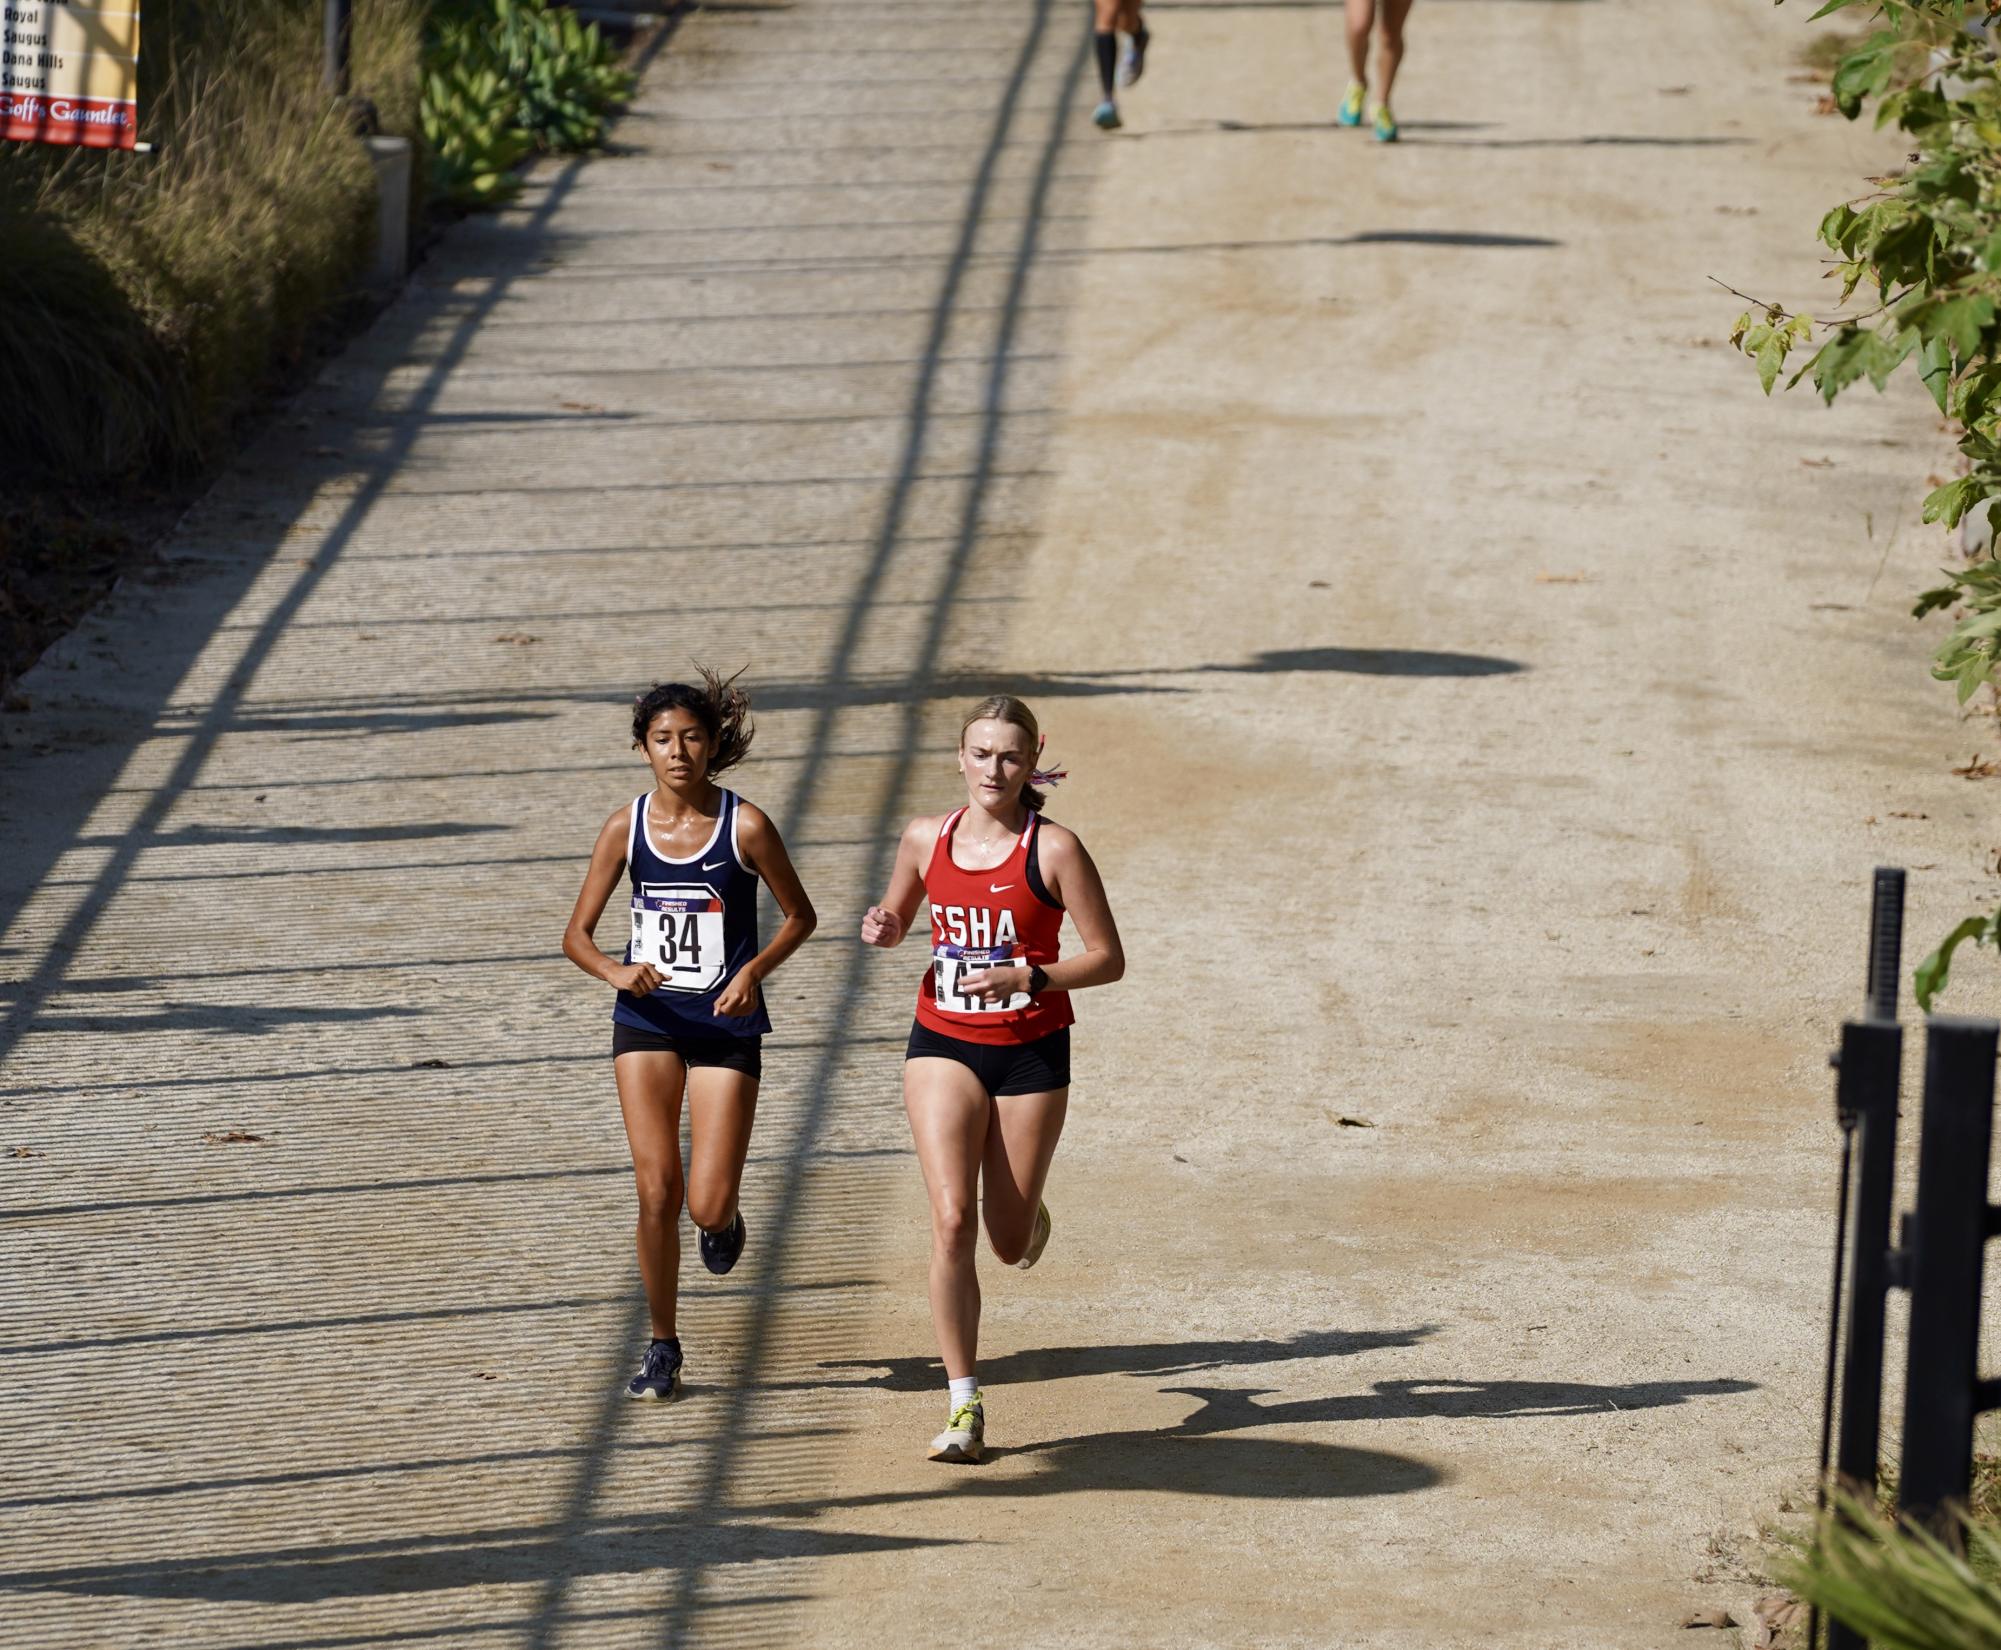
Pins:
<point x="1350" y="112"/>
<point x="1386" y="124"/>
<point x="1106" y="116"/>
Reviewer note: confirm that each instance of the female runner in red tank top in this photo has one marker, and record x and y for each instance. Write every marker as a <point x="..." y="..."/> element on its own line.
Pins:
<point x="986" y="1078"/>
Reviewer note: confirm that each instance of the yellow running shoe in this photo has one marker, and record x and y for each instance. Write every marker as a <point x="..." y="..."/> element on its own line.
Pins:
<point x="1350" y="112"/>
<point x="965" y="1434"/>
<point x="1386" y="124"/>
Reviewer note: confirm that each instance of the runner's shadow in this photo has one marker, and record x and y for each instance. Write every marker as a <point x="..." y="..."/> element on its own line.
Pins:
<point x="1062" y="1363"/>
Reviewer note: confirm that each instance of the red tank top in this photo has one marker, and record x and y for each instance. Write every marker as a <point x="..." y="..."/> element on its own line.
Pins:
<point x="989" y="919"/>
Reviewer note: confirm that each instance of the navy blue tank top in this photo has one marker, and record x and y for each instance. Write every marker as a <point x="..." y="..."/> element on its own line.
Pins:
<point x="695" y="921"/>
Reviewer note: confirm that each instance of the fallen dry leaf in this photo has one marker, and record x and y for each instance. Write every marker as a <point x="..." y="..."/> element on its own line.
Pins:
<point x="1977" y="769"/>
<point x="579" y="406"/>
<point x="1709" y="1618"/>
<point x="26" y="1151"/>
<point x="1348" y="1122"/>
<point x="1825" y="104"/>
<point x="1818" y="463"/>
<point x="1900" y="813"/>
<point x="1777" y="1613"/>
<point x="520" y="638"/>
<point x="232" y="1137"/>
<point x="1565" y="578"/>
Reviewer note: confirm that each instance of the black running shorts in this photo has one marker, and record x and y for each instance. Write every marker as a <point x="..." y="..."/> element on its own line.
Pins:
<point x="744" y="1054"/>
<point x="1002" y="1068"/>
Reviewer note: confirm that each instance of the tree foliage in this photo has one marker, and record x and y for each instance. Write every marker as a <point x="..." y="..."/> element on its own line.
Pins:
<point x="1924" y="249"/>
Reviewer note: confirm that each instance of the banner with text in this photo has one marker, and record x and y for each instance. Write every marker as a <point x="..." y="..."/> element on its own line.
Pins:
<point x="69" y="72"/>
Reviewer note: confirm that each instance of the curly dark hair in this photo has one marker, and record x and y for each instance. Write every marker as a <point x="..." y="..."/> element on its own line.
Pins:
<point x="717" y="703"/>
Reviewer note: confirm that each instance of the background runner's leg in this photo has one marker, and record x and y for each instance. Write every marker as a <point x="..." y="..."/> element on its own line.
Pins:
<point x="949" y="1117"/>
<point x="1361" y="23"/>
<point x="1021" y="1141"/>
<point x="650" y="1085"/>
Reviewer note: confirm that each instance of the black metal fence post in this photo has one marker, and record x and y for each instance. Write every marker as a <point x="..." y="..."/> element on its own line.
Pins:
<point x="339" y="41"/>
<point x="1871" y="1057"/>
<point x="1865" y="1100"/>
<point x="1942" y="1389"/>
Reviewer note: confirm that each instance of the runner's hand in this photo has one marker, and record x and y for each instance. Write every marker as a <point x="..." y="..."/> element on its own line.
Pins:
<point x="740" y="996"/>
<point x="641" y="979"/>
<point x="994" y="985"/>
<point x="881" y="926"/>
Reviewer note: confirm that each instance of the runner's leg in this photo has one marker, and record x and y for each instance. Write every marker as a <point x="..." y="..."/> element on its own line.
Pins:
<point x="650" y="1085"/>
<point x="949" y="1116"/>
<point x="1021" y="1142"/>
<point x="1389" y="50"/>
<point x="1105" y="41"/>
<point x="722" y="1105"/>
<point x="1361" y="23"/>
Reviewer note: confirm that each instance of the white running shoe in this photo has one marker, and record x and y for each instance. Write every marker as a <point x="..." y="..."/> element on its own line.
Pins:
<point x="1038" y="1238"/>
<point x="965" y="1434"/>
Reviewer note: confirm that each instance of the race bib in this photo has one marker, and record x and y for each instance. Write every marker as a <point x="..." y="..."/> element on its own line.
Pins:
<point x="679" y="930"/>
<point x="950" y="964"/>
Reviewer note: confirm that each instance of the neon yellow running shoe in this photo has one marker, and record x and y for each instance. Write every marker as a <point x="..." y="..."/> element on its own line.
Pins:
<point x="1386" y="124"/>
<point x="1350" y="112"/>
<point x="965" y="1434"/>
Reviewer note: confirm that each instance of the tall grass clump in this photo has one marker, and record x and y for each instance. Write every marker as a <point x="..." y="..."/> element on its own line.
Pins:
<point x="145" y="298"/>
<point x="1898" y="1584"/>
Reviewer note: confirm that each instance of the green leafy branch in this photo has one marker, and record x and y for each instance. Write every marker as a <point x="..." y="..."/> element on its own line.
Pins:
<point x="1927" y="241"/>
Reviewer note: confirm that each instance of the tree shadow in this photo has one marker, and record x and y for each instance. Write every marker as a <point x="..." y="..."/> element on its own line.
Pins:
<point x="529" y="1555"/>
<point x="1062" y="1363"/>
<point x="1372" y="661"/>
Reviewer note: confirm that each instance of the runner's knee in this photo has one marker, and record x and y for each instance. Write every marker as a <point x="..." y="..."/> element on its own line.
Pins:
<point x="953" y="1230"/>
<point x="659" y="1192"/>
<point x="710" y="1206"/>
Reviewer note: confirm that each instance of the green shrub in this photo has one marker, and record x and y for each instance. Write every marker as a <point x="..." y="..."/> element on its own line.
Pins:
<point x="507" y="77"/>
<point x="471" y="124"/>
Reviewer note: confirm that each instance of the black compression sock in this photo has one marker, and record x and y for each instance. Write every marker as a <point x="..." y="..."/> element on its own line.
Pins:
<point x="1108" y="60"/>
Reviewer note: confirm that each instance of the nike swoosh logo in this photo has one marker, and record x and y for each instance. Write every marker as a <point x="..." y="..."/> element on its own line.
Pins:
<point x="719" y="864"/>
<point x="999" y="887"/>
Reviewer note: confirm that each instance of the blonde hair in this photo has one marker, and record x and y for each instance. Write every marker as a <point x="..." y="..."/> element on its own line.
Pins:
<point x="1005" y="707"/>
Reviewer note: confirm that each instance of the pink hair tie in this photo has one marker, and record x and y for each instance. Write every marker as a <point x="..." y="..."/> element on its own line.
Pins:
<point x="1046" y="776"/>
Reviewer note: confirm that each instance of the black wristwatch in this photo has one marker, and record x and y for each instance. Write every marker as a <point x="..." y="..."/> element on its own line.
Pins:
<point x="1038" y="980"/>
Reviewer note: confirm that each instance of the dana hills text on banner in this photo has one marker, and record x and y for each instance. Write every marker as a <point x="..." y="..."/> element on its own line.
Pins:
<point x="69" y="72"/>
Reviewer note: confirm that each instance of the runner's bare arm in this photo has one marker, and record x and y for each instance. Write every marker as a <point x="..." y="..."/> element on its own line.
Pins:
<point x="887" y="923"/>
<point x="764" y="852"/>
<point x="579" y="943"/>
<point x="1073" y="881"/>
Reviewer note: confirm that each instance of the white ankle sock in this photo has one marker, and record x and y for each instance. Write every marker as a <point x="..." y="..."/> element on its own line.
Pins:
<point x="963" y="1388"/>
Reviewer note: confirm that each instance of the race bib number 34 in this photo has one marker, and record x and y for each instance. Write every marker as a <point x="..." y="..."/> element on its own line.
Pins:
<point x="679" y="930"/>
<point x="950" y="964"/>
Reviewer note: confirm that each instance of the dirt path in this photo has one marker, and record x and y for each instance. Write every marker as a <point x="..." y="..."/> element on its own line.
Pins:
<point x="1485" y="708"/>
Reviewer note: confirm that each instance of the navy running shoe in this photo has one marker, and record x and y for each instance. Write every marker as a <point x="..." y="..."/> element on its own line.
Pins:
<point x="720" y="1249"/>
<point x="659" y="1374"/>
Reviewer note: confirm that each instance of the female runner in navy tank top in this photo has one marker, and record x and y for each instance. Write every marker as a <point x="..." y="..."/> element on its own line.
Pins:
<point x="689" y="1012"/>
<point x="986" y="1077"/>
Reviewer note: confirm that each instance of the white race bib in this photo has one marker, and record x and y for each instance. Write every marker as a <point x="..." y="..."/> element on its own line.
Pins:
<point x="679" y="930"/>
<point x="950" y="964"/>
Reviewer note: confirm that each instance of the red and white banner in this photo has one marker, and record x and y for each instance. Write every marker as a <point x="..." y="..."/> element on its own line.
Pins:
<point x="69" y="72"/>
